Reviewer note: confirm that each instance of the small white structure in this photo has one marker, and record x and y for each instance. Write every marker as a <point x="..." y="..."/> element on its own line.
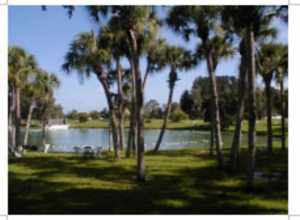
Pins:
<point x="57" y="127"/>
<point x="57" y="124"/>
<point x="46" y="148"/>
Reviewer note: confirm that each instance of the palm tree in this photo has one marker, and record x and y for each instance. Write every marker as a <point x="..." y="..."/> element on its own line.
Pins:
<point x="50" y="82"/>
<point x="235" y="147"/>
<point x="203" y="21"/>
<point x="140" y="25"/>
<point x="21" y="64"/>
<point x="34" y="90"/>
<point x="281" y="72"/>
<point x="177" y="58"/>
<point x="250" y="22"/>
<point x="115" y="41"/>
<point x="269" y="58"/>
<point x="86" y="56"/>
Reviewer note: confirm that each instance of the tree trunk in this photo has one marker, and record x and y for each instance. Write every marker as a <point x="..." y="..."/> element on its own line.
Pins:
<point x="120" y="105"/>
<point x="216" y="111"/>
<point x="269" y="114"/>
<point x="28" y="122"/>
<point x="131" y="145"/>
<point x="236" y="143"/>
<point x="165" y="120"/>
<point x="251" y="107"/>
<point x="212" y="132"/>
<point x="43" y="132"/>
<point x="138" y="108"/>
<point x="113" y="118"/>
<point x="146" y="76"/>
<point x="282" y="109"/>
<point x="18" y="117"/>
<point x="132" y="136"/>
<point x="11" y="122"/>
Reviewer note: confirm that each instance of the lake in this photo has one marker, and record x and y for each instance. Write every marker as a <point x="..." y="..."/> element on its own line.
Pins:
<point x="64" y="140"/>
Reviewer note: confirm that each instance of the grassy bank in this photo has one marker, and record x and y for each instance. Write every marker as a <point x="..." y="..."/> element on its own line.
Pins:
<point x="181" y="181"/>
<point x="261" y="126"/>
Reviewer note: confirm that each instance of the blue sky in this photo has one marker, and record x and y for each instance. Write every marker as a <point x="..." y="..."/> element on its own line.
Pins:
<point x="47" y="35"/>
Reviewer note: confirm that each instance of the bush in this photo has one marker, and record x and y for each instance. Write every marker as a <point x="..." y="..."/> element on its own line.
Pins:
<point x="178" y="115"/>
<point x="83" y="117"/>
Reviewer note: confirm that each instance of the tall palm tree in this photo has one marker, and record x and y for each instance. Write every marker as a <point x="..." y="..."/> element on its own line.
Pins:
<point x="249" y="22"/>
<point x="204" y="23"/>
<point x="140" y="24"/>
<point x="21" y="64"/>
<point x="269" y="58"/>
<point x="281" y="72"/>
<point x="50" y="82"/>
<point x="115" y="41"/>
<point x="86" y="56"/>
<point x="177" y="58"/>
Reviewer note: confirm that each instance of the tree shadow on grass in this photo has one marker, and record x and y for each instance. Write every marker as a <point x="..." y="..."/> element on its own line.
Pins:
<point x="199" y="190"/>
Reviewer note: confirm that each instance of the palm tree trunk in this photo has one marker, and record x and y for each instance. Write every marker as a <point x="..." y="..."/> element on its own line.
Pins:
<point x="18" y="117"/>
<point x="28" y="122"/>
<point x="138" y="109"/>
<point x="113" y="118"/>
<point x="212" y="132"/>
<point x="216" y="112"/>
<point x="131" y="145"/>
<point x="165" y="120"/>
<point x="43" y="132"/>
<point x="121" y="130"/>
<point x="251" y="107"/>
<point x="116" y="142"/>
<point x="11" y="121"/>
<point x="282" y="108"/>
<point x="132" y="136"/>
<point x="269" y="115"/>
<point x="236" y="143"/>
<point x="120" y="105"/>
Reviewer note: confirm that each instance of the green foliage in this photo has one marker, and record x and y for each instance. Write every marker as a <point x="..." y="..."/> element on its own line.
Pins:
<point x="94" y="115"/>
<point x="152" y="109"/>
<point x="178" y="115"/>
<point x="83" y="117"/>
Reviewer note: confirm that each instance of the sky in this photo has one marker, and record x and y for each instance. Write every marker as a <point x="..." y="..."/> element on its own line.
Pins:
<point x="47" y="35"/>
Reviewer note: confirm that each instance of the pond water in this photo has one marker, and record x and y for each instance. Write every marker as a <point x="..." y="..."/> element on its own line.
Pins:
<point x="64" y="140"/>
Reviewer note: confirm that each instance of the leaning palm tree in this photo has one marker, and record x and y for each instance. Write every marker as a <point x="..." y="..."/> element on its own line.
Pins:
<point x="86" y="56"/>
<point x="115" y="42"/>
<point x="21" y="64"/>
<point x="204" y="23"/>
<point x="177" y="58"/>
<point x="269" y="58"/>
<point x="34" y="91"/>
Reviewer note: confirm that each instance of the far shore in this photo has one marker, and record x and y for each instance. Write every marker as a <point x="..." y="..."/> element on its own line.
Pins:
<point x="261" y="125"/>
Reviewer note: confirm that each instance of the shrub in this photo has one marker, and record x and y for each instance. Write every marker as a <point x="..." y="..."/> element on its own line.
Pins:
<point x="178" y="115"/>
<point x="83" y="117"/>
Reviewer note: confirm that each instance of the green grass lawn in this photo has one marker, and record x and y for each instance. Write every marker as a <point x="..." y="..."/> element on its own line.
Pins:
<point x="152" y="124"/>
<point x="178" y="182"/>
<point x="261" y="125"/>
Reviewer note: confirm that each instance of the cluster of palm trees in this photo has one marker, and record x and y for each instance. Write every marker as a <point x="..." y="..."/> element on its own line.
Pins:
<point x="27" y="80"/>
<point x="129" y="33"/>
